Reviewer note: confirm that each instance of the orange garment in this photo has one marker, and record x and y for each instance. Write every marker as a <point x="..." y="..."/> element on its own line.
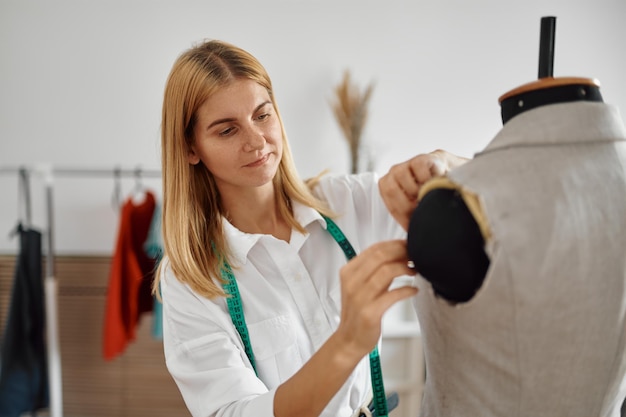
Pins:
<point x="130" y="277"/>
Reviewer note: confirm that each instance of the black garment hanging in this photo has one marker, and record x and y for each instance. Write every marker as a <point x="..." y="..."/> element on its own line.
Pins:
<point x="23" y="366"/>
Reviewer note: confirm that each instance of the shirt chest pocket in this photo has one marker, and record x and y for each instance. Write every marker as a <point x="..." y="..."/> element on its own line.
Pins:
<point x="275" y="348"/>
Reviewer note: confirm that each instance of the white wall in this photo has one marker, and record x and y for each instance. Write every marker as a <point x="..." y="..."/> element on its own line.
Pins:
<point x="81" y="81"/>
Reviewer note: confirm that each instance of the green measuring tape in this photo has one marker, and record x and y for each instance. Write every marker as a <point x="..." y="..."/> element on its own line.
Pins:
<point x="236" y="313"/>
<point x="378" y="388"/>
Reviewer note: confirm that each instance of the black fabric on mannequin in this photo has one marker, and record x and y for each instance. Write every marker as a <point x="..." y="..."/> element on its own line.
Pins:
<point x="446" y="245"/>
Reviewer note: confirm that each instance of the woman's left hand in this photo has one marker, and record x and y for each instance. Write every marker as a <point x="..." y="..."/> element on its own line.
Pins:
<point x="400" y="187"/>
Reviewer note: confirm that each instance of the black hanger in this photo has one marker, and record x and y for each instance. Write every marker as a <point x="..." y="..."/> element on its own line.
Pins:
<point x="24" y="218"/>
<point x="24" y="190"/>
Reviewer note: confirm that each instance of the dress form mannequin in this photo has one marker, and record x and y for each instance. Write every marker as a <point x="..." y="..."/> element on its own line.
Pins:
<point x="444" y="239"/>
<point x="547" y="89"/>
<point x="521" y="251"/>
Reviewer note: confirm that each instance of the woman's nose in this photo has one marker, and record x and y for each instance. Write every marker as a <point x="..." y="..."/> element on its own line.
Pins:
<point x="253" y="139"/>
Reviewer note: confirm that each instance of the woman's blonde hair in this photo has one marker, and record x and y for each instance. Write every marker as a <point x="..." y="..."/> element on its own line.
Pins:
<point x="193" y="239"/>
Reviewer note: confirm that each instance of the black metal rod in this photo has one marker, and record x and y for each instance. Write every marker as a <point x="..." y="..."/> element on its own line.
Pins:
<point x="546" y="46"/>
<point x="85" y="172"/>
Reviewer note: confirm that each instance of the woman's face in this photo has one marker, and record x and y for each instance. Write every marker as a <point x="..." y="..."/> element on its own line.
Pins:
<point x="238" y="136"/>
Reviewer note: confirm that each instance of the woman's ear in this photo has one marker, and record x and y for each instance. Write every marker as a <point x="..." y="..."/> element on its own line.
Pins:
<point x="193" y="157"/>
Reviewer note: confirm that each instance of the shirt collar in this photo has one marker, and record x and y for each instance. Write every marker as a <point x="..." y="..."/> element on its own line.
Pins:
<point x="306" y="215"/>
<point x="241" y="243"/>
<point x="553" y="124"/>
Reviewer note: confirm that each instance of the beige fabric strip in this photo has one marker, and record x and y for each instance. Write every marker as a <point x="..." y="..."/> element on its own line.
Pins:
<point x="471" y="201"/>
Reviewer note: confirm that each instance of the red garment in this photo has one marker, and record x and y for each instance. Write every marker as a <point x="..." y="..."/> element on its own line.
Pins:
<point x="130" y="277"/>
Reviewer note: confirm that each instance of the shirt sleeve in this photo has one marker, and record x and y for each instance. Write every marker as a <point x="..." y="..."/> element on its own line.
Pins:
<point x="357" y="202"/>
<point x="205" y="356"/>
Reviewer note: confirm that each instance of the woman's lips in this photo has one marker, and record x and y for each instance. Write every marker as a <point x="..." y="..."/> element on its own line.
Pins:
<point x="259" y="161"/>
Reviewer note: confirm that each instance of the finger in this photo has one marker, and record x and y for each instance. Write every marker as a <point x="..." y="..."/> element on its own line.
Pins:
<point x="358" y="270"/>
<point x="389" y="298"/>
<point x="407" y="176"/>
<point x="425" y="167"/>
<point x="371" y="314"/>
<point x="417" y="171"/>
<point x="399" y="182"/>
<point x="401" y="196"/>
<point x="376" y="255"/>
<point x="438" y="168"/>
<point x="376" y="272"/>
<point x="382" y="279"/>
<point x="402" y="211"/>
<point x="399" y="192"/>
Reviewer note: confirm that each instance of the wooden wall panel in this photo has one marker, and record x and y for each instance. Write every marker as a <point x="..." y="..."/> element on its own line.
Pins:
<point x="135" y="384"/>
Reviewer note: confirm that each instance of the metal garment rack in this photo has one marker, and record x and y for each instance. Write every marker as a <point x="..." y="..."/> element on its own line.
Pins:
<point x="49" y="173"/>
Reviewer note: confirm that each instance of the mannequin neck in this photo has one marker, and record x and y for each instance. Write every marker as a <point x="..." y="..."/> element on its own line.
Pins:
<point x="548" y="91"/>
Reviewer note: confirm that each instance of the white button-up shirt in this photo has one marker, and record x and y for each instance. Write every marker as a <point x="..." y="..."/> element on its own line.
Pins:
<point x="291" y="298"/>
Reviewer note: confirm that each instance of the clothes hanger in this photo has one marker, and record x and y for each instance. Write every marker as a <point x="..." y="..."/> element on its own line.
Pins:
<point x="24" y="219"/>
<point x="547" y="89"/>
<point x="139" y="192"/>
<point x="116" y="197"/>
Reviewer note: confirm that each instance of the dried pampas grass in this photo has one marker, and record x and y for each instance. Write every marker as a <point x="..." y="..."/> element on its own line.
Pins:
<point x="350" y="109"/>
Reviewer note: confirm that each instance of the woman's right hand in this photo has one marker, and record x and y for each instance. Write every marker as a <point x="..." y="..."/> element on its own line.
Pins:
<point x="365" y="296"/>
<point x="365" y="293"/>
<point x="400" y="187"/>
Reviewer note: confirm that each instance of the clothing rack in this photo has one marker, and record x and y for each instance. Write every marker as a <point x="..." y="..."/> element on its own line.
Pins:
<point x="65" y="171"/>
<point x="49" y="172"/>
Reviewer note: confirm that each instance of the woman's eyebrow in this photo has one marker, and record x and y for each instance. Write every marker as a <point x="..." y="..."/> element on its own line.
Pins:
<point x="261" y="105"/>
<point x="231" y="119"/>
<point x="220" y="121"/>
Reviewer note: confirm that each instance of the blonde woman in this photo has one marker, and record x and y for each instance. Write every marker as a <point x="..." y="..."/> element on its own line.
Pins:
<point x="235" y="211"/>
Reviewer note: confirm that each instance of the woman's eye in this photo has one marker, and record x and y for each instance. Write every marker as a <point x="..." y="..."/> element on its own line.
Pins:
<point x="263" y="116"/>
<point x="227" y="132"/>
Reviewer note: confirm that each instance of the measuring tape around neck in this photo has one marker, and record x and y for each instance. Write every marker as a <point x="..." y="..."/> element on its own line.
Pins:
<point x="236" y="311"/>
<point x="235" y="308"/>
